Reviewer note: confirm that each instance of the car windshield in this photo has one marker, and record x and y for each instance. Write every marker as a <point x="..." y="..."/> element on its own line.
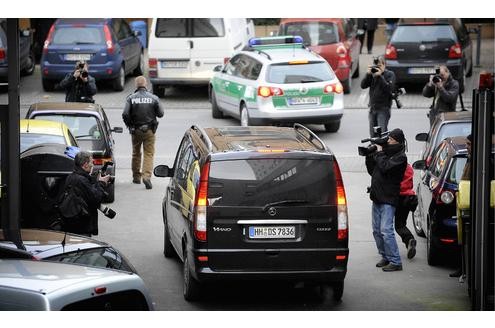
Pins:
<point x="82" y="127"/>
<point x="300" y="73"/>
<point x="456" y="169"/>
<point x="31" y="139"/>
<point x="423" y="33"/>
<point x="453" y="130"/>
<point x="78" y="35"/>
<point x="313" y="33"/>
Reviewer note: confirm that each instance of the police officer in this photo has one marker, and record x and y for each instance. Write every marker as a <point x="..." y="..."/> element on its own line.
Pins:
<point x="140" y="116"/>
<point x="79" y="85"/>
<point x="444" y="89"/>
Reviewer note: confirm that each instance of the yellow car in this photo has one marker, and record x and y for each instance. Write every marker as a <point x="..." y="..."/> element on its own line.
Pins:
<point x="35" y="132"/>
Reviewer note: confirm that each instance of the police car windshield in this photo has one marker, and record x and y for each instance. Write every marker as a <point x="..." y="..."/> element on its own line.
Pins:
<point x="300" y="73"/>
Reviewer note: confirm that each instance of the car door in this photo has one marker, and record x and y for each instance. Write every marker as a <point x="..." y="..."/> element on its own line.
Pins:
<point x="224" y="84"/>
<point x="126" y="40"/>
<point x="353" y="43"/>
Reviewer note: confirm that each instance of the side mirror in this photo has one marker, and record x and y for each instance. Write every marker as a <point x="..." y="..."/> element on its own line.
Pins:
<point x="163" y="171"/>
<point x="137" y="33"/>
<point x="422" y="136"/>
<point x="419" y="165"/>
<point x="117" y="129"/>
<point x="218" y="68"/>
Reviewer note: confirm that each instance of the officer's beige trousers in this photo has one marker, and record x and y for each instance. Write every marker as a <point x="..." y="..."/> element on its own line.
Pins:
<point x="147" y="140"/>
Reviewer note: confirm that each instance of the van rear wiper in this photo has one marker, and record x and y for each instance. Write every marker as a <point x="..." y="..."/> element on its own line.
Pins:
<point x="285" y="202"/>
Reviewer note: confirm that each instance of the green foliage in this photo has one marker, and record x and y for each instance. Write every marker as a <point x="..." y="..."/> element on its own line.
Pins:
<point x="266" y="21"/>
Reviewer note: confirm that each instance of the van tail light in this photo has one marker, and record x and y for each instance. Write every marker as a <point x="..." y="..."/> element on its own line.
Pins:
<point x="108" y="40"/>
<point x="2" y="53"/>
<point x="390" y="52"/>
<point x="49" y="39"/>
<point x="152" y="65"/>
<point x="201" y="204"/>
<point x="455" y="51"/>
<point x="341" y="51"/>
<point x="266" y="92"/>
<point x="334" y="87"/>
<point x="342" y="221"/>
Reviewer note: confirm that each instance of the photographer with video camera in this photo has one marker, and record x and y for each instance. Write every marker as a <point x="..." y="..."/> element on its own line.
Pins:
<point x="382" y="85"/>
<point x="79" y="85"/>
<point x="83" y="194"/>
<point x="444" y="89"/>
<point x="386" y="162"/>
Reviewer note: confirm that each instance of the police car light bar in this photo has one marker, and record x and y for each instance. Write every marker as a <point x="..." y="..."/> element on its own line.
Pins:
<point x="286" y="39"/>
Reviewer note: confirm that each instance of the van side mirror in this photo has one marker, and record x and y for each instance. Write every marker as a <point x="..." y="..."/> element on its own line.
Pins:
<point x="419" y="165"/>
<point x="137" y="33"/>
<point x="218" y="68"/>
<point x="422" y="136"/>
<point x="117" y="129"/>
<point x="163" y="171"/>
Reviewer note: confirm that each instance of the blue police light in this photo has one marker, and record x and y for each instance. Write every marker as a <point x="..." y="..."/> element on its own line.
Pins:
<point x="278" y="40"/>
<point x="71" y="151"/>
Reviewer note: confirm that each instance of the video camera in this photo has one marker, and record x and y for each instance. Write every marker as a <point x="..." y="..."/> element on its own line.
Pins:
<point x="437" y="77"/>
<point x="379" y="138"/>
<point x="395" y="96"/>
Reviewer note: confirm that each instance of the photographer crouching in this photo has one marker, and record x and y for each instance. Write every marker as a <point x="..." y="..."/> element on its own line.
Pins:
<point x="79" y="85"/>
<point x="444" y="89"/>
<point x="386" y="162"/>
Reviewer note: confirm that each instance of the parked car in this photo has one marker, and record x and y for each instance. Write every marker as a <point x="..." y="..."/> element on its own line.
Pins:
<point x="58" y="246"/>
<point x="277" y="80"/>
<point x="416" y="49"/>
<point x="435" y="215"/>
<point x="255" y="203"/>
<point x="47" y="286"/>
<point x="185" y="50"/>
<point x="35" y="132"/>
<point x="109" y="46"/>
<point x="447" y="124"/>
<point x="91" y="128"/>
<point x="26" y="56"/>
<point x="332" y="38"/>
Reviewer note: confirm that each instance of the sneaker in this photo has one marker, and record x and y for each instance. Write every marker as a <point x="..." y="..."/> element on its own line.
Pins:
<point x="136" y="181"/>
<point x="382" y="263"/>
<point x="411" y="248"/>
<point x="147" y="184"/>
<point x="392" y="267"/>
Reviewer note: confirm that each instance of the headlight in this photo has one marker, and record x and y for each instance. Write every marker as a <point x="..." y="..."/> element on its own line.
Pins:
<point x="447" y="197"/>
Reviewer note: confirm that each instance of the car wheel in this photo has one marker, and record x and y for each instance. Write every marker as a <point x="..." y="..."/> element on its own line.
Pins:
<point x="332" y="126"/>
<point x="140" y="67"/>
<point x="47" y="85"/>
<point x="416" y="222"/>
<point x="356" y="72"/>
<point x="431" y="250"/>
<point x="29" y="70"/>
<point x="245" y="121"/>
<point x="119" y="82"/>
<point x="158" y="90"/>
<point x="215" y="111"/>
<point x="338" y="291"/>
<point x="168" y="249"/>
<point x="191" y="286"/>
<point x="347" y="84"/>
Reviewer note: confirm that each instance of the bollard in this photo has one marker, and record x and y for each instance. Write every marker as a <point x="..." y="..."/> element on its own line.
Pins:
<point x="478" y="46"/>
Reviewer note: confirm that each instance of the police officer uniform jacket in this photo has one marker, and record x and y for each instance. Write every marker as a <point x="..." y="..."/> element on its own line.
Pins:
<point x="141" y="110"/>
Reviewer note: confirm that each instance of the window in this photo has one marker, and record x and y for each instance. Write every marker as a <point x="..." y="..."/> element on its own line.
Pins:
<point x="423" y="33"/>
<point x="31" y="139"/>
<point x="82" y="127"/>
<point x="311" y="72"/>
<point x="207" y="27"/>
<point x="78" y="35"/>
<point x="313" y="33"/>
<point x="453" y="129"/>
<point x="232" y="67"/>
<point x="440" y="160"/>
<point x="125" y="31"/>
<point x="456" y="169"/>
<point x="171" y="28"/>
<point x="189" y="27"/>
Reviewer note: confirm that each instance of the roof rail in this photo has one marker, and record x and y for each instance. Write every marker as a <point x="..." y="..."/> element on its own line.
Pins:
<point x="203" y="136"/>
<point x="310" y="136"/>
<point x="261" y="52"/>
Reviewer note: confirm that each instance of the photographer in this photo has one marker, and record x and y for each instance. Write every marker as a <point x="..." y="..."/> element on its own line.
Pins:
<point x="381" y="83"/>
<point x="386" y="166"/>
<point x="79" y="85"/>
<point x="90" y="190"/>
<point x="444" y="89"/>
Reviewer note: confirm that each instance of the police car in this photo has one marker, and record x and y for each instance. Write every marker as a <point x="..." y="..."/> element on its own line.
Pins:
<point x="277" y="80"/>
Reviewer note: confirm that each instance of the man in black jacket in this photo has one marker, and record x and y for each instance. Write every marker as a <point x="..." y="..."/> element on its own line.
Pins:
<point x="90" y="189"/>
<point x="444" y="89"/>
<point x="140" y="115"/>
<point x="79" y="85"/>
<point x="381" y="83"/>
<point x="386" y="167"/>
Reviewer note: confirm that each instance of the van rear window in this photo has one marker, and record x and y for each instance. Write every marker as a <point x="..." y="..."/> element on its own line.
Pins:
<point x="257" y="182"/>
<point x="189" y="27"/>
<point x="423" y="33"/>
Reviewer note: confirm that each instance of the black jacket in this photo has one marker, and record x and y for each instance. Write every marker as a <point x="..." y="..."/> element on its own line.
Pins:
<point x="142" y="108"/>
<point x="447" y="96"/>
<point x="76" y="90"/>
<point x="92" y="192"/>
<point x="387" y="169"/>
<point x="381" y="88"/>
<point x="367" y="23"/>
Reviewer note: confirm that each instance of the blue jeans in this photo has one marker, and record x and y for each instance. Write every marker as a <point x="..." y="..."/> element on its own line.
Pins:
<point x="383" y="232"/>
<point x="379" y="118"/>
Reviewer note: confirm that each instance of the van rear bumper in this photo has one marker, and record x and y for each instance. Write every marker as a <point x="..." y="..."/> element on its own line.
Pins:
<point x="178" y="81"/>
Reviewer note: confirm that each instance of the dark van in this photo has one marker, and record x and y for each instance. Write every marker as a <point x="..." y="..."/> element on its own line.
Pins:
<point x="256" y="203"/>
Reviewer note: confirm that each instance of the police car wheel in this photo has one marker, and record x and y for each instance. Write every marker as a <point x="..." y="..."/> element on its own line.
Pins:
<point x="244" y="116"/>
<point x="332" y="126"/>
<point x="215" y="111"/>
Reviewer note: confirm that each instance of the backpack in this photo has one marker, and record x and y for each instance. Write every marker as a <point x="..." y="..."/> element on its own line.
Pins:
<point x="71" y="205"/>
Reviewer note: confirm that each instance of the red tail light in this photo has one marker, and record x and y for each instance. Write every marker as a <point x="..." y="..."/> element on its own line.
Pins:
<point x="108" y="39"/>
<point x="49" y="39"/>
<point x="341" y="51"/>
<point x="334" y="87"/>
<point x="2" y="53"/>
<point x="447" y="241"/>
<point x="101" y="161"/>
<point x="100" y="290"/>
<point x="455" y="51"/>
<point x="342" y="221"/>
<point x="226" y="60"/>
<point x="152" y="62"/>
<point x="200" y="227"/>
<point x="390" y="52"/>
<point x="266" y="92"/>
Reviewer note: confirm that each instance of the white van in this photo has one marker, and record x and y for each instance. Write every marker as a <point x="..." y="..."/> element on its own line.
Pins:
<point x="185" y="50"/>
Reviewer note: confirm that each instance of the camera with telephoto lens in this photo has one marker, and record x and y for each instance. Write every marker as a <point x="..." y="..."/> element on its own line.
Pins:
<point x="396" y="94"/>
<point x="104" y="169"/>
<point x="437" y="77"/>
<point x="379" y="138"/>
<point x="374" y="67"/>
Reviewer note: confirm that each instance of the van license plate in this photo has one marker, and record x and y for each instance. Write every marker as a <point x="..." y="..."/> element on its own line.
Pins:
<point x="77" y="57"/>
<point x="304" y="101"/>
<point x="174" y="64"/>
<point x="281" y="232"/>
